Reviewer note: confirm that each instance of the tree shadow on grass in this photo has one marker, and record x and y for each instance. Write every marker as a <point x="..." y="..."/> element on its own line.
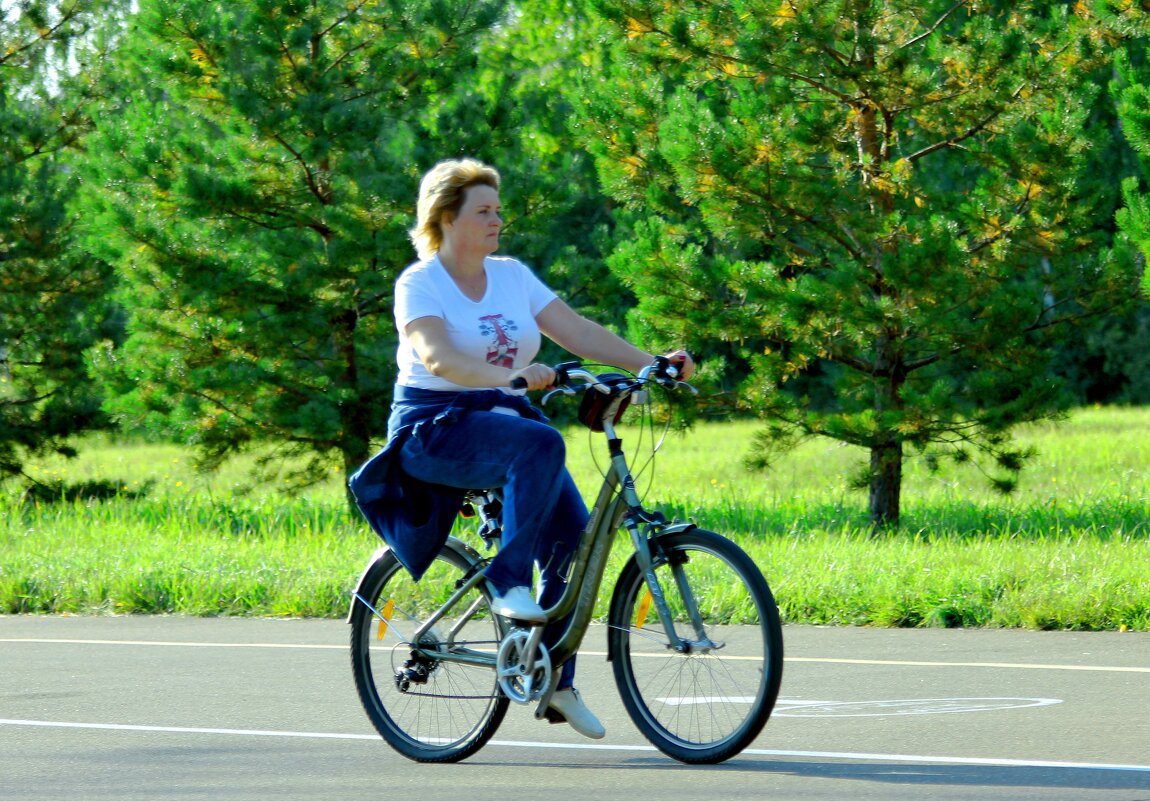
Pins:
<point x="1103" y="520"/>
<point x="94" y="490"/>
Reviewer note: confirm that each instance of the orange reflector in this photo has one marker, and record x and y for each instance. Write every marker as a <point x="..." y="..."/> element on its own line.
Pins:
<point x="384" y="617"/>
<point x="644" y="608"/>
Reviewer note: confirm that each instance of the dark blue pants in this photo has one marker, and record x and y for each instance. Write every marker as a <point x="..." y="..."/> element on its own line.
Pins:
<point x="543" y="513"/>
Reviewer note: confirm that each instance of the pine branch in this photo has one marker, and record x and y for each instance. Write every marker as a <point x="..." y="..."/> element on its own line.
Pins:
<point x="67" y="15"/>
<point x="954" y="141"/>
<point x="937" y="24"/>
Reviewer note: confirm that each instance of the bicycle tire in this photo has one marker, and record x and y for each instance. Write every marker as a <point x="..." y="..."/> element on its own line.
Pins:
<point x="447" y="711"/>
<point x="707" y="705"/>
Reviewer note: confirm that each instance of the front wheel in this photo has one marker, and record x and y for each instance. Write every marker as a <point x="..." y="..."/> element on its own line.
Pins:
<point x="433" y="701"/>
<point x="707" y="701"/>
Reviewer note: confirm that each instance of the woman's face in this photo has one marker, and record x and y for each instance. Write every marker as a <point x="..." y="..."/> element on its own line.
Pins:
<point x="476" y="227"/>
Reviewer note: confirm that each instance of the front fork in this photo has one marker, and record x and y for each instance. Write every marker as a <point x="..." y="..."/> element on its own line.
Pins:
<point x="646" y="545"/>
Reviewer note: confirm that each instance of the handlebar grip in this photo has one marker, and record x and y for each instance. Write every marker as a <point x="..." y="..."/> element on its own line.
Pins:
<point x="667" y="369"/>
<point x="519" y="382"/>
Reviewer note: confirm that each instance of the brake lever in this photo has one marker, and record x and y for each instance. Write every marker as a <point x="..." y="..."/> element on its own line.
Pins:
<point x="564" y="390"/>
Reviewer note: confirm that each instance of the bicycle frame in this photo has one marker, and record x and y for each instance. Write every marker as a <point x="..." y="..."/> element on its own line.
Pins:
<point x="617" y="504"/>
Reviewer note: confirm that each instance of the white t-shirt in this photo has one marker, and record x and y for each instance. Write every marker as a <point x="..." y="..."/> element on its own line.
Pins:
<point x="499" y="328"/>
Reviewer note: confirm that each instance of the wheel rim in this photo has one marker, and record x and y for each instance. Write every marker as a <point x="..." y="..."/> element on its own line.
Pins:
<point x="709" y="698"/>
<point x="428" y="705"/>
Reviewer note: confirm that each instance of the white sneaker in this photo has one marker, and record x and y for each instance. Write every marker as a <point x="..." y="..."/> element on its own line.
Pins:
<point x="569" y="704"/>
<point x="518" y="604"/>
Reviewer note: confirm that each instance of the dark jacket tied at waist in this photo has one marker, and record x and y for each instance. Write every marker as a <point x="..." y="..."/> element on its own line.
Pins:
<point x="415" y="517"/>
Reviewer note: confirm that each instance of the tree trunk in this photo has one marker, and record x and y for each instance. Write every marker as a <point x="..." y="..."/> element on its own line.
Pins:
<point x="885" y="484"/>
<point x="886" y="449"/>
<point x="353" y="458"/>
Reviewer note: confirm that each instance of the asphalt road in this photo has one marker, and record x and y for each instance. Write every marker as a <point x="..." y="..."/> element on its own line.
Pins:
<point x="125" y="708"/>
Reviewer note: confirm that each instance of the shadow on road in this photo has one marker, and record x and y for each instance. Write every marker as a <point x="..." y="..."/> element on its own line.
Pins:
<point x="897" y="773"/>
<point x="966" y="775"/>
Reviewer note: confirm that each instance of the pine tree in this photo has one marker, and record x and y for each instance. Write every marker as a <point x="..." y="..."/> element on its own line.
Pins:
<point x="53" y="300"/>
<point x="517" y="114"/>
<point x="876" y="203"/>
<point x="254" y="188"/>
<point x="1107" y="360"/>
<point x="1132" y="93"/>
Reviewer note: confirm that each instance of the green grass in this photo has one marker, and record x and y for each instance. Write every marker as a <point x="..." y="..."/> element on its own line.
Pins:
<point x="1069" y="550"/>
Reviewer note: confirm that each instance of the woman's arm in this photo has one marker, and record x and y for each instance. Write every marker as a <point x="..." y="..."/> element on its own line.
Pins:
<point x="428" y="335"/>
<point x="591" y="341"/>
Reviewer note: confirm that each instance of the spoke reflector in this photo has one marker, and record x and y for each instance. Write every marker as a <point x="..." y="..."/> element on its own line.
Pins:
<point x="643" y="608"/>
<point x="384" y="617"/>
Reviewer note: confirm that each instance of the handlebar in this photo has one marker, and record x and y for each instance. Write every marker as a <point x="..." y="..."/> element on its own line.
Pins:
<point x="660" y="371"/>
<point x="562" y="375"/>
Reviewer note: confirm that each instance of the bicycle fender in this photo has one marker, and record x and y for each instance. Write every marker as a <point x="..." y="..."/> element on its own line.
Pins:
<point x="381" y="553"/>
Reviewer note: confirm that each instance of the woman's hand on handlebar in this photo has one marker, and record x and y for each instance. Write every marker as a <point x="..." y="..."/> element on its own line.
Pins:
<point x="682" y="361"/>
<point x="532" y="377"/>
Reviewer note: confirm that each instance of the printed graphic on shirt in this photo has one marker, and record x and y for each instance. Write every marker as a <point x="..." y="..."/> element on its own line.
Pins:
<point x="502" y="348"/>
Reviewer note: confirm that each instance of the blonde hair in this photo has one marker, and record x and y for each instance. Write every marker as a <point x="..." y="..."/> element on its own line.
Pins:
<point x="442" y="192"/>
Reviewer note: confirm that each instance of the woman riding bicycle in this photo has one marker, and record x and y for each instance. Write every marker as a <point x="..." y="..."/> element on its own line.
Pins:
<point x="469" y="323"/>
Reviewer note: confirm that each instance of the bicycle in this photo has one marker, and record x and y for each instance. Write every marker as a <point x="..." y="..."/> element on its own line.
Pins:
<point x="693" y="632"/>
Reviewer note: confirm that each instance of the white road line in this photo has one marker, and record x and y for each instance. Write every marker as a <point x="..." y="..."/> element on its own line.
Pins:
<point x="795" y="708"/>
<point x="903" y="707"/>
<point x="162" y="643"/>
<point x="838" y="755"/>
<point x="825" y="660"/>
<point x="709" y="699"/>
<point x="185" y="730"/>
<point x="1013" y="665"/>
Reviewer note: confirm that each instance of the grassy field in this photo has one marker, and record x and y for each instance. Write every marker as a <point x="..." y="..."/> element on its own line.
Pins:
<point x="1069" y="550"/>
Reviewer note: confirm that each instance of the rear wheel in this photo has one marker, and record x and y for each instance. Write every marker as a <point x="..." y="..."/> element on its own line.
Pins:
<point x="708" y="702"/>
<point x="428" y="709"/>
